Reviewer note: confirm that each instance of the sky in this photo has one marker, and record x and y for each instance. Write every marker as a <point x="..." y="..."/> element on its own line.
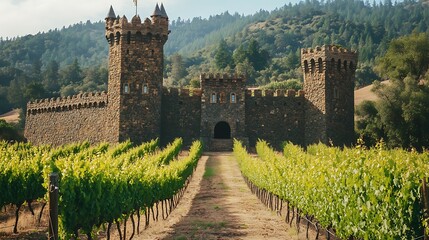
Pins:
<point x="22" y="17"/>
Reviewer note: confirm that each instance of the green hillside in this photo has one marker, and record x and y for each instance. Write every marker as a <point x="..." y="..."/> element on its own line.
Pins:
<point x="265" y="46"/>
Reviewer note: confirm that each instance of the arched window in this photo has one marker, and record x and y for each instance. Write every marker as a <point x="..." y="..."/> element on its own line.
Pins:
<point x="339" y="65"/>
<point x="320" y="65"/>
<point x="145" y="89"/>
<point x="129" y="37"/>
<point x="126" y="88"/>
<point x="306" y="66"/>
<point x="233" y="98"/>
<point x="345" y="65"/>
<point x="313" y="65"/>
<point x="213" y="98"/>
<point x="139" y="37"/>
<point x="111" y="39"/>
<point x="118" y="37"/>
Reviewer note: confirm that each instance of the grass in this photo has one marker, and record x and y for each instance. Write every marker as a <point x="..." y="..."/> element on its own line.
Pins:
<point x="210" y="172"/>
<point x="209" y="225"/>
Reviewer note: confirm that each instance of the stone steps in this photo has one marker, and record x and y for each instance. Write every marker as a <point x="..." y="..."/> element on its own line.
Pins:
<point x="221" y="145"/>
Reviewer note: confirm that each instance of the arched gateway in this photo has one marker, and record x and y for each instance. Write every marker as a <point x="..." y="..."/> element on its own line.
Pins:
<point x="222" y="130"/>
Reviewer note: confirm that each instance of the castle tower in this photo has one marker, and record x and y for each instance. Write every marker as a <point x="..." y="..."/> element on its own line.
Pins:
<point x="136" y="60"/>
<point x="329" y="87"/>
<point x="222" y="110"/>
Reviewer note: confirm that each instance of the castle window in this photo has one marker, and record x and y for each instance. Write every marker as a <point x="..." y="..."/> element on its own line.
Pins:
<point x="336" y="93"/>
<point x="233" y="98"/>
<point x="145" y="89"/>
<point x="306" y="66"/>
<point x="320" y="63"/>
<point x="129" y="37"/>
<point x="313" y="65"/>
<point x="126" y="88"/>
<point x="118" y="37"/>
<point x="213" y="98"/>
<point x="352" y="66"/>
<point x="332" y="63"/>
<point x="139" y="37"/>
<point x="345" y="65"/>
<point x="339" y="65"/>
<point x="111" y="39"/>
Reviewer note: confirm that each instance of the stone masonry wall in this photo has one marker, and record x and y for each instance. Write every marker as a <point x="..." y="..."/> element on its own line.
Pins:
<point x="65" y="120"/>
<point x="181" y="115"/>
<point x="275" y="116"/>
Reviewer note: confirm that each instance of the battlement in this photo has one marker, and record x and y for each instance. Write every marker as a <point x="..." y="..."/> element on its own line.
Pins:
<point x="275" y="93"/>
<point x="222" y="80"/>
<point x="318" y="59"/>
<point x="119" y="28"/>
<point x="83" y="100"/>
<point x="182" y="92"/>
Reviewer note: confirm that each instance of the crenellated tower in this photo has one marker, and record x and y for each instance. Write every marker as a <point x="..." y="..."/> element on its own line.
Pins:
<point x="329" y="74"/>
<point x="136" y="61"/>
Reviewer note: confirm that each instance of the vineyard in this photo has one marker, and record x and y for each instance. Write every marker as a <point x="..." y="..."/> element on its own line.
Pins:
<point x="100" y="184"/>
<point x="360" y="193"/>
<point x="353" y="193"/>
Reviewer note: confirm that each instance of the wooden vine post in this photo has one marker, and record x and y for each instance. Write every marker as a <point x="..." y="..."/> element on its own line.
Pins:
<point x="53" y="206"/>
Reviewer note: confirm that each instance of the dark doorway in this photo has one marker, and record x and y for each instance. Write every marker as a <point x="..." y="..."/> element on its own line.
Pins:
<point x="222" y="131"/>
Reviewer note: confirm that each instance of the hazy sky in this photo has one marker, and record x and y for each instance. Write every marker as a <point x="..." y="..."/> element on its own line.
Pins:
<point x="22" y="17"/>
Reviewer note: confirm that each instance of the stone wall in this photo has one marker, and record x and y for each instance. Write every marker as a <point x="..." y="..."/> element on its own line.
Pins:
<point x="64" y="120"/>
<point x="275" y="116"/>
<point x="181" y="115"/>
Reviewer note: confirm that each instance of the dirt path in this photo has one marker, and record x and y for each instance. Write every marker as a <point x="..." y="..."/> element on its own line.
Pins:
<point x="219" y="205"/>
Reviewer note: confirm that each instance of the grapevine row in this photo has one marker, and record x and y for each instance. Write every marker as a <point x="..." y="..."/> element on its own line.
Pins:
<point x="364" y="193"/>
<point x="99" y="184"/>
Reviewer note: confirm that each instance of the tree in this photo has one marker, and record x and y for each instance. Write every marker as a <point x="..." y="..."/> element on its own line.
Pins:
<point x="402" y="106"/>
<point x="178" y="70"/>
<point x="51" y="77"/>
<point x="72" y="74"/>
<point x="257" y="57"/>
<point x="406" y="56"/>
<point x="223" y="56"/>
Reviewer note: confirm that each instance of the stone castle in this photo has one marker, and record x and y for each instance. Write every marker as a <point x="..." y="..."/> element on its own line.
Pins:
<point x="139" y="108"/>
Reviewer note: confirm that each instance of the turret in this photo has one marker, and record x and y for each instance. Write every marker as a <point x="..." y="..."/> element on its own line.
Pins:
<point x="329" y="86"/>
<point x="136" y="62"/>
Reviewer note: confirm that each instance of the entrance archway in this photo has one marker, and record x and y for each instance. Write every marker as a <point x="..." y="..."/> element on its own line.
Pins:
<point x="222" y="130"/>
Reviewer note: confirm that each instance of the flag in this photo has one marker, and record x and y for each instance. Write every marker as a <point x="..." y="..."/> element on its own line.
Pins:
<point x="135" y="2"/>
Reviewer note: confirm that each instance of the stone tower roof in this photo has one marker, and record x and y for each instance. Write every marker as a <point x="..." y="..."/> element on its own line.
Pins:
<point x="163" y="12"/>
<point x="157" y="11"/>
<point x="111" y="13"/>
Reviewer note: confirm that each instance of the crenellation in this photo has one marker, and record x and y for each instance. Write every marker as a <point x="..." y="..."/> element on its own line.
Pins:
<point x="291" y="93"/>
<point x="86" y="99"/>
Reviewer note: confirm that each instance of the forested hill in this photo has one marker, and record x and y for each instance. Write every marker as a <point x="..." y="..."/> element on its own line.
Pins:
<point x="72" y="59"/>
<point x="351" y="23"/>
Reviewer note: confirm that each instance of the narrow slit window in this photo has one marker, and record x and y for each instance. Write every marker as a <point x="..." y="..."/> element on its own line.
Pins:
<point x="336" y="93"/>
<point x="126" y="88"/>
<point x="233" y="98"/>
<point x="145" y="89"/>
<point x="213" y="98"/>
